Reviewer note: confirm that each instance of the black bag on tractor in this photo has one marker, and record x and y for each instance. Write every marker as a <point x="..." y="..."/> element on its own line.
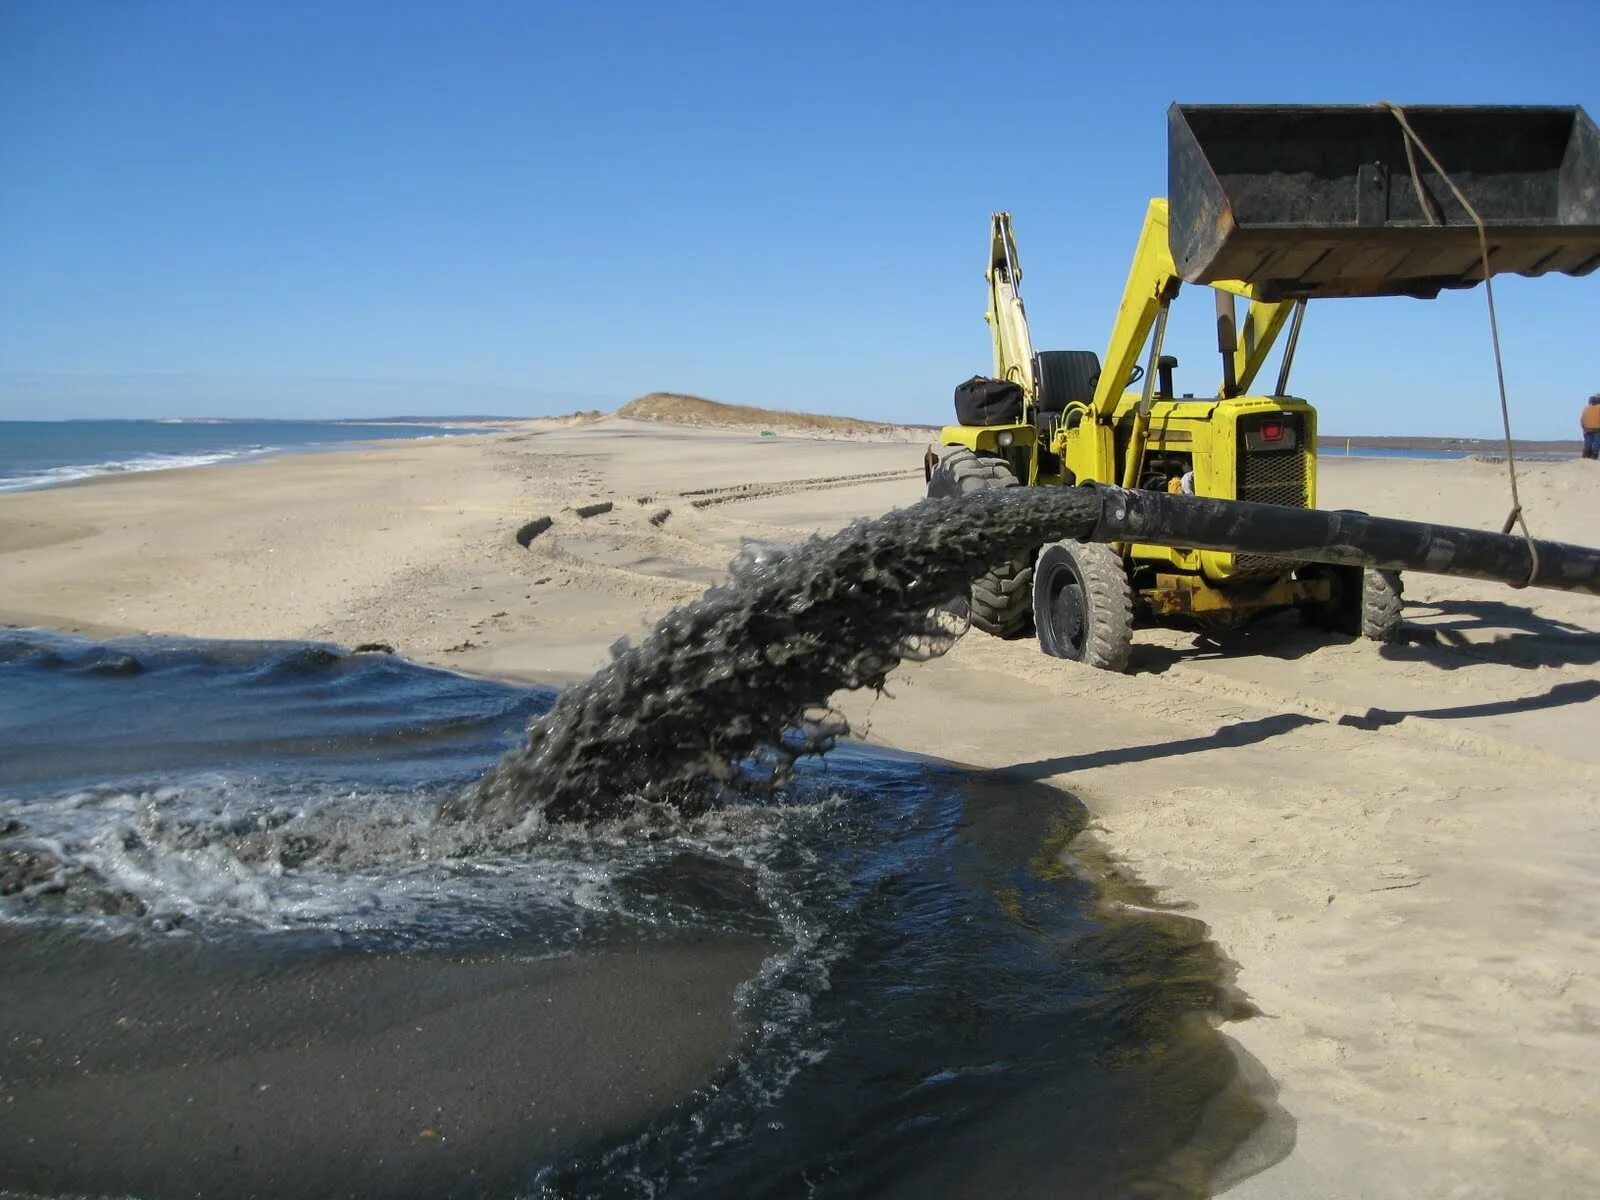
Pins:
<point x="981" y="401"/>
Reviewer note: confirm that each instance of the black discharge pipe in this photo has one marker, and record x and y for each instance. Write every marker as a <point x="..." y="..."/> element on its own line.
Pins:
<point x="732" y="688"/>
<point x="1342" y="538"/>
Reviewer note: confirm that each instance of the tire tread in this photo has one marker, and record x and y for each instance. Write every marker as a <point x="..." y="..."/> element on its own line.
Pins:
<point x="1108" y="598"/>
<point x="1382" y="600"/>
<point x="1111" y="600"/>
<point x="1000" y="601"/>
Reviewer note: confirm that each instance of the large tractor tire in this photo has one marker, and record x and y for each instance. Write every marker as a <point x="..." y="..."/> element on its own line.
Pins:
<point x="1382" y="598"/>
<point x="1083" y="604"/>
<point x="1364" y="603"/>
<point x="998" y="602"/>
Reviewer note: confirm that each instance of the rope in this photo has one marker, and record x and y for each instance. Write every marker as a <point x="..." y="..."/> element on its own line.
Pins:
<point x="1429" y="209"/>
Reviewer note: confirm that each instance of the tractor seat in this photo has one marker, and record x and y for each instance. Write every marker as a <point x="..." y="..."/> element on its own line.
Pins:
<point x="1063" y="377"/>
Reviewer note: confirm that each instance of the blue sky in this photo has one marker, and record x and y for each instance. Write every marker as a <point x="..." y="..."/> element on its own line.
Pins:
<point x="342" y="209"/>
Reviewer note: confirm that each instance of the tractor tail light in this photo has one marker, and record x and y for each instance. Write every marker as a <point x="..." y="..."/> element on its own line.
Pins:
<point x="1271" y="433"/>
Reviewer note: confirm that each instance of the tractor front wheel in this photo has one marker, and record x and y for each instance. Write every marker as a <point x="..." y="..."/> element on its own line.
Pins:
<point x="1083" y="604"/>
<point x="1364" y="603"/>
<point x="1382" y="598"/>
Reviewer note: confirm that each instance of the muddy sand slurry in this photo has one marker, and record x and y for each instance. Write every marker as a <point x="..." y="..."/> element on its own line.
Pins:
<point x="243" y="957"/>
<point x="747" y="670"/>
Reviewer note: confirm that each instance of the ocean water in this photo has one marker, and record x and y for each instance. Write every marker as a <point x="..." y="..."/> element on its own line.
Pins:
<point x="1338" y="450"/>
<point x="244" y="958"/>
<point x="35" y="454"/>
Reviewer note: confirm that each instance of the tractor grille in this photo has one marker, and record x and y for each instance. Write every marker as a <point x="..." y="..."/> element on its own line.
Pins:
<point x="1270" y="478"/>
<point x="1273" y="478"/>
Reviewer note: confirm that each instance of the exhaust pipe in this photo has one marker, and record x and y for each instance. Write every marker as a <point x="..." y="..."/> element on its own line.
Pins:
<point x="1341" y="538"/>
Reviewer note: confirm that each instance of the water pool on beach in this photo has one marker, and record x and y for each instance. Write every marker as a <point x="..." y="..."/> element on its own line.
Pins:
<point x="243" y="958"/>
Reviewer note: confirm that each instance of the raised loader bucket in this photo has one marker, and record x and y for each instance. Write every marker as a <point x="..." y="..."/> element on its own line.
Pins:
<point x="1305" y="201"/>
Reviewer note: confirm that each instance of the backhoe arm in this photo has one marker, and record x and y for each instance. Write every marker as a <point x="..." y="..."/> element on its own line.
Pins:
<point x="1152" y="282"/>
<point x="1263" y="321"/>
<point x="1008" y="321"/>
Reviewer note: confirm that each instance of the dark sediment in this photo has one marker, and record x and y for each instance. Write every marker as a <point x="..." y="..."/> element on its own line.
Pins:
<point x="891" y="979"/>
<point x="736" y="682"/>
<point x="182" y="1069"/>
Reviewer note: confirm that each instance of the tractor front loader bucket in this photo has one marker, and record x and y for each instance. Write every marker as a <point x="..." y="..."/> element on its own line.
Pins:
<point x="1311" y="201"/>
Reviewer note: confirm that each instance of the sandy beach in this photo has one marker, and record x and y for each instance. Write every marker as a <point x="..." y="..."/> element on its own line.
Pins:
<point x="1395" y="845"/>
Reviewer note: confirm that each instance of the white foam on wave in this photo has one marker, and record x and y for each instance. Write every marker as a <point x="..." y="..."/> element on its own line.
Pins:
<point x="221" y="851"/>
<point x="215" y="854"/>
<point x="72" y="472"/>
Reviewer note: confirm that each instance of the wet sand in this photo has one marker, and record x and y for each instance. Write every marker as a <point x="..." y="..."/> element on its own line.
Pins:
<point x="1391" y="843"/>
<point x="170" y="1070"/>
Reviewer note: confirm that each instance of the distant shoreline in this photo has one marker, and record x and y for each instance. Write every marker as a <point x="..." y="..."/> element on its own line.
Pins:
<point x="448" y="422"/>
<point x="48" y="454"/>
<point x="1327" y="443"/>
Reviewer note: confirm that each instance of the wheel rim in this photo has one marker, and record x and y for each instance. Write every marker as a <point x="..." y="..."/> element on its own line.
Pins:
<point x="1069" y="614"/>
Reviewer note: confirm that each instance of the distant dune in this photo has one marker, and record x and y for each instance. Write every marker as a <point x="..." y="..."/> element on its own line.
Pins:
<point x="678" y="409"/>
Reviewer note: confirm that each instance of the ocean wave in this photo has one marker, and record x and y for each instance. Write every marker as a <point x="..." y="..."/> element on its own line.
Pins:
<point x="222" y="851"/>
<point x="72" y="472"/>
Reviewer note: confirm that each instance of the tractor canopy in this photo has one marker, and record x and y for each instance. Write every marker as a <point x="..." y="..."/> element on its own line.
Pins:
<point x="1303" y="201"/>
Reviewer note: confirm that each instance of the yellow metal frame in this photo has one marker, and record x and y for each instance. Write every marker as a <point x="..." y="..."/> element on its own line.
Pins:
<point x="1153" y="283"/>
<point x="1006" y="317"/>
<point x="988" y="437"/>
<point x="1109" y="438"/>
<point x="1190" y="595"/>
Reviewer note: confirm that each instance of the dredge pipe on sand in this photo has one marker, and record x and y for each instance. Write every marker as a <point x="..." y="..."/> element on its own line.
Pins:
<point x="1342" y="538"/>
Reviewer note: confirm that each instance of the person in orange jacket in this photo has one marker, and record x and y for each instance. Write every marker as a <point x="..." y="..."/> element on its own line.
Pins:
<point x="1590" y="421"/>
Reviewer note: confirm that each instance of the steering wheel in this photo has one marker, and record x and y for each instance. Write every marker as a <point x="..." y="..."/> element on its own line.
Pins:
<point x="1136" y="374"/>
<point x="1133" y="377"/>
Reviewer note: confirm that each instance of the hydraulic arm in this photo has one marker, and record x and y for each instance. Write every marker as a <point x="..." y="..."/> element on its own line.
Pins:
<point x="1153" y="283"/>
<point x="1008" y="321"/>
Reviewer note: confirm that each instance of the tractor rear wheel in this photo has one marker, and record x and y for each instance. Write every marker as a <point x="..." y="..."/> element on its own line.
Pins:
<point x="997" y="602"/>
<point x="1083" y="604"/>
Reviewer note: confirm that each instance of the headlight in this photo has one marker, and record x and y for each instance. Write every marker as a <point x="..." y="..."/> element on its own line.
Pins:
<point x="1005" y="438"/>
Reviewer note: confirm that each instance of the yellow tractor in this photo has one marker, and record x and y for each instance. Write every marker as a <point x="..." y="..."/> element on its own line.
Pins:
<point x="1275" y="206"/>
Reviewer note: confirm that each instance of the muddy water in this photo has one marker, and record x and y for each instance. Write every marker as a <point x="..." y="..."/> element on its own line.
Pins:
<point x="734" y="686"/>
<point x="243" y="956"/>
